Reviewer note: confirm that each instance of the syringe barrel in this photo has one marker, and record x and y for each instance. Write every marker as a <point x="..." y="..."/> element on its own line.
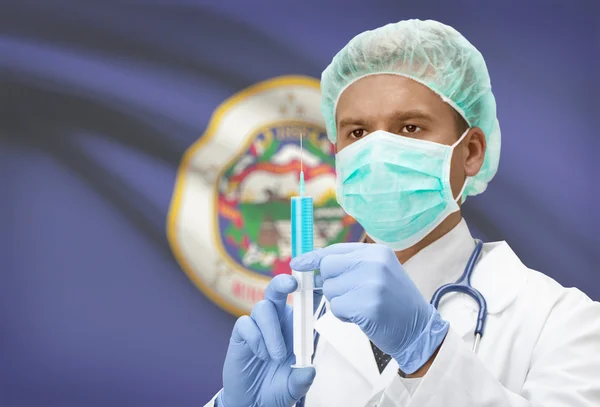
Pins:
<point x="303" y="319"/>
<point x="302" y="225"/>
<point x="302" y="242"/>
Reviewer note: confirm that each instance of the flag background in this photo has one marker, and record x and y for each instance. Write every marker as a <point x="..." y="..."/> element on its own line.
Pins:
<point x="98" y="102"/>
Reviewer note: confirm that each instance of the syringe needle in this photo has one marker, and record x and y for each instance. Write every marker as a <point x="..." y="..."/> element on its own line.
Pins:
<point x="301" y="154"/>
<point x="301" y="167"/>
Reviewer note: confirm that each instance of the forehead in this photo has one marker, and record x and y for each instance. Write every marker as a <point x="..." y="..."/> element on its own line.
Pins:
<point x="386" y="94"/>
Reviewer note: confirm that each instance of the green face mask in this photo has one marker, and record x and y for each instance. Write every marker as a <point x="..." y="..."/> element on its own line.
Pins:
<point x="397" y="188"/>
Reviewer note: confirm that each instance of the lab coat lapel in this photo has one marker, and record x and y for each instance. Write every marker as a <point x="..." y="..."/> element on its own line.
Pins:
<point x="500" y="276"/>
<point x="352" y="344"/>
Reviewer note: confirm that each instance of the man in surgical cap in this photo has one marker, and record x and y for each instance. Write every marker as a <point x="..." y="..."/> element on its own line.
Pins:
<point x="410" y="109"/>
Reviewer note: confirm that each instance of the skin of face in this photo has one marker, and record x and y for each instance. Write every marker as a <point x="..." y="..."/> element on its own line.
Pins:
<point x="407" y="108"/>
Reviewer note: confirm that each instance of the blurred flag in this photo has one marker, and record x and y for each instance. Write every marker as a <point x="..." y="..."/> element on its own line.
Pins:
<point x="229" y="220"/>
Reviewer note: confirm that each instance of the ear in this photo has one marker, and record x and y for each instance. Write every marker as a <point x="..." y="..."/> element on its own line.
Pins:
<point x="474" y="151"/>
<point x="335" y="147"/>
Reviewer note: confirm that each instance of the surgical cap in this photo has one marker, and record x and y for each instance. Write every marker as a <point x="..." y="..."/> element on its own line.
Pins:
<point x="432" y="54"/>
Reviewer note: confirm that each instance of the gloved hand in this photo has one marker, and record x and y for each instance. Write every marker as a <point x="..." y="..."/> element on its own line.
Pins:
<point x="257" y="369"/>
<point x="366" y="284"/>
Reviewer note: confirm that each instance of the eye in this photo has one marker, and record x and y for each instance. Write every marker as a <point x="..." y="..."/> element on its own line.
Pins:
<point x="410" y="128"/>
<point x="358" y="133"/>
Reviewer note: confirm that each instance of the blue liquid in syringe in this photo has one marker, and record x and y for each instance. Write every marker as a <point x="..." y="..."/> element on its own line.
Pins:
<point x="302" y="222"/>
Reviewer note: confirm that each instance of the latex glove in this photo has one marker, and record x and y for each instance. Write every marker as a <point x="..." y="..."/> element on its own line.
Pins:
<point x="366" y="284"/>
<point x="257" y="369"/>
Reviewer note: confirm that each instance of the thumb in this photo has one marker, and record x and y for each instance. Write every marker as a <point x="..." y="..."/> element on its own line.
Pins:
<point x="300" y="381"/>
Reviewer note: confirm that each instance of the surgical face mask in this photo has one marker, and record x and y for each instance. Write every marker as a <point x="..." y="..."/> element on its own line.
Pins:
<point x="397" y="188"/>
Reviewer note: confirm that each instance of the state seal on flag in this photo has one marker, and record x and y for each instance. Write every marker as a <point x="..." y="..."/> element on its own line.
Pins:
<point x="229" y="220"/>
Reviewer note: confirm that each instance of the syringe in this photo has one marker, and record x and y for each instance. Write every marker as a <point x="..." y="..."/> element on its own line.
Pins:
<point x="302" y="242"/>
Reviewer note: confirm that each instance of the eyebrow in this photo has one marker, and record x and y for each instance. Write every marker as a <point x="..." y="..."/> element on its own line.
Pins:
<point x="352" y="122"/>
<point x="398" y="116"/>
<point x="413" y="114"/>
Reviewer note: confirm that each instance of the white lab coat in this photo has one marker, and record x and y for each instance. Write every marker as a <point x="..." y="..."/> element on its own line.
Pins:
<point x="541" y="347"/>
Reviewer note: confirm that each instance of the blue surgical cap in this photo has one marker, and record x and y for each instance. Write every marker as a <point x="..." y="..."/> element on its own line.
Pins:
<point x="433" y="54"/>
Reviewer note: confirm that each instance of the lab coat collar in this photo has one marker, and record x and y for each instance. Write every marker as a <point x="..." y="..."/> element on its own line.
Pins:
<point x="498" y="276"/>
<point x="442" y="261"/>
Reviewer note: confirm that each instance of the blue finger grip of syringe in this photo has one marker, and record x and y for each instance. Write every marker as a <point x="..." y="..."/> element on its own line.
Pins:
<point x="302" y="225"/>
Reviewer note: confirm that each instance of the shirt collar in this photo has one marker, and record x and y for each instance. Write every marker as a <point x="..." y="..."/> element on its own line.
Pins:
<point x="441" y="262"/>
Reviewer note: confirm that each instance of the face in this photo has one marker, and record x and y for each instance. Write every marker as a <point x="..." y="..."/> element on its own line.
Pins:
<point x="407" y="108"/>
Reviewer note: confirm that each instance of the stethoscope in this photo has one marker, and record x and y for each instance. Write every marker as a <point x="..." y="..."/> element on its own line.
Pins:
<point x="462" y="285"/>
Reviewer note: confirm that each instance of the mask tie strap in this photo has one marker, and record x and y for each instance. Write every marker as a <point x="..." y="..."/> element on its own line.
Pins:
<point x="462" y="190"/>
<point x="461" y="138"/>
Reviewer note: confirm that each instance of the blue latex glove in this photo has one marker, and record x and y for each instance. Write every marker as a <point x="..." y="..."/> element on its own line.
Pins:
<point x="257" y="369"/>
<point x="366" y="284"/>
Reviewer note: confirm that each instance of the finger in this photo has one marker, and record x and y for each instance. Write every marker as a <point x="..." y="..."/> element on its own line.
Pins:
<point x="345" y="307"/>
<point x="299" y="382"/>
<point x="287" y="328"/>
<point x="337" y="286"/>
<point x="335" y="265"/>
<point x="246" y="331"/>
<point x="278" y="289"/>
<point x="312" y="260"/>
<point x="266" y="318"/>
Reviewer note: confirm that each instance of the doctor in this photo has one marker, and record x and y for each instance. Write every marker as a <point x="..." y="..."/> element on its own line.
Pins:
<point x="410" y="109"/>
